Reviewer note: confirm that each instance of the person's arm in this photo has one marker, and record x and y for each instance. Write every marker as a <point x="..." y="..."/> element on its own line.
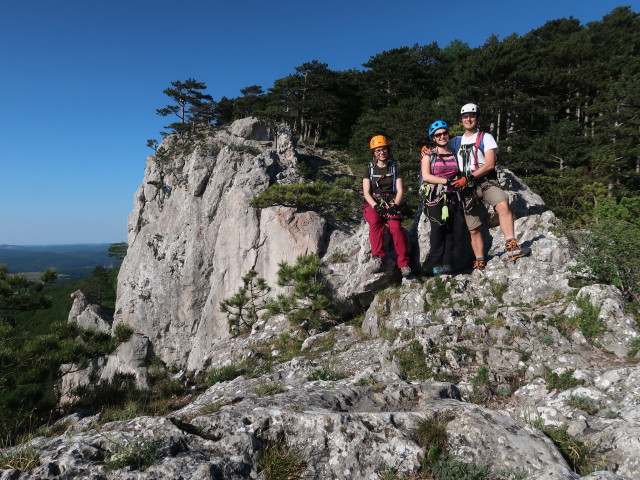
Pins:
<point x="426" y="172"/>
<point x="399" y="191"/>
<point x="489" y="164"/>
<point x="366" y="190"/>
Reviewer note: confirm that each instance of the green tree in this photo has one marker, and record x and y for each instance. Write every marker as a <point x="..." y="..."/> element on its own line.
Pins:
<point x="118" y="250"/>
<point x="192" y="107"/>
<point x="309" y="305"/>
<point x="99" y="286"/>
<point x="242" y="309"/>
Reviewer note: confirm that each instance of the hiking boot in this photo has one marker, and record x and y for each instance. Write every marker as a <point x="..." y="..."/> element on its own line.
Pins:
<point x="405" y="271"/>
<point x="378" y="265"/>
<point x="514" y="250"/>
<point x="437" y="271"/>
<point x="447" y="270"/>
<point x="479" y="264"/>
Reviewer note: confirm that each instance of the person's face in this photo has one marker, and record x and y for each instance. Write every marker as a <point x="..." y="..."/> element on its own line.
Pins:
<point x="381" y="153"/>
<point x="441" y="137"/>
<point x="469" y="121"/>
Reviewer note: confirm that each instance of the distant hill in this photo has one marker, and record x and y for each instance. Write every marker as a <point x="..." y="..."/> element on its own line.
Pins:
<point x="74" y="261"/>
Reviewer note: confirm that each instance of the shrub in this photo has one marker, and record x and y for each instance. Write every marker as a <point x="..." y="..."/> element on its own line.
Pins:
<point x="564" y="381"/>
<point x="123" y="332"/>
<point x="309" y="304"/>
<point x="280" y="461"/>
<point x="333" y="201"/>
<point x="611" y="250"/>
<point x="581" y="457"/>
<point x="326" y="373"/>
<point x="243" y="307"/>
<point x="139" y="454"/>
<point x="412" y="361"/>
<point x="22" y="457"/>
<point x="269" y="388"/>
<point x="222" y="374"/>
<point x="583" y="403"/>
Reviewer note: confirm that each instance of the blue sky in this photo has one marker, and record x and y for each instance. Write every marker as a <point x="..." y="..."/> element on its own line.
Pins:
<point x="81" y="80"/>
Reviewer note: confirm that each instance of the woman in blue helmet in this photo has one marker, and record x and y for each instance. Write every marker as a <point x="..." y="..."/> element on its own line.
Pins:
<point x="439" y="168"/>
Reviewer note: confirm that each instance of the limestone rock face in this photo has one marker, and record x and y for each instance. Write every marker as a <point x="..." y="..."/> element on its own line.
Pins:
<point x="193" y="235"/>
<point x="501" y="356"/>
<point x="87" y="314"/>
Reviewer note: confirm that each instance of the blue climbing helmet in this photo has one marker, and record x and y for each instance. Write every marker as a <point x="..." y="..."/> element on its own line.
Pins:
<point x="438" y="124"/>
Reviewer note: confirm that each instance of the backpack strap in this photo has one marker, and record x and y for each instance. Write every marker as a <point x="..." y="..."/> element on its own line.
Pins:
<point x="372" y="175"/>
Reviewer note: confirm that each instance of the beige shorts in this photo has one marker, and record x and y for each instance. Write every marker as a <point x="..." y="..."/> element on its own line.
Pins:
<point x="491" y="195"/>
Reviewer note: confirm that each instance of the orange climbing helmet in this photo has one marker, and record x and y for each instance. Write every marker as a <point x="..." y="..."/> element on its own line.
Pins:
<point x="378" y="141"/>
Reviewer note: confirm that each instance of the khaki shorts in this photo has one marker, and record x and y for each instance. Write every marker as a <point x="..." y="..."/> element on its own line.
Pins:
<point x="491" y="195"/>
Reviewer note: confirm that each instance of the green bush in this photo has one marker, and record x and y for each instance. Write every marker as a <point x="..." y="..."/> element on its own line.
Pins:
<point x="611" y="249"/>
<point x="223" y="374"/>
<point x="280" y="461"/>
<point x="309" y="305"/>
<point x="139" y="454"/>
<point x="329" y="200"/>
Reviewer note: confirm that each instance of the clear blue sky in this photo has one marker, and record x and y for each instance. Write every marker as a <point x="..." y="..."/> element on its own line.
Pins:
<point x="81" y="79"/>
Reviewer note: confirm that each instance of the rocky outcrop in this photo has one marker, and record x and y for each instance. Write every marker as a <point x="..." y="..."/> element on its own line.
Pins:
<point x="499" y="356"/>
<point x="193" y="235"/>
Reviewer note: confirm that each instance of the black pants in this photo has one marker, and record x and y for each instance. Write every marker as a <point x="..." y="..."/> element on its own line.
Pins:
<point x="442" y="236"/>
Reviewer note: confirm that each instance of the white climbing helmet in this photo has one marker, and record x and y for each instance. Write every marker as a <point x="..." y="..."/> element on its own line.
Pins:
<point x="469" y="108"/>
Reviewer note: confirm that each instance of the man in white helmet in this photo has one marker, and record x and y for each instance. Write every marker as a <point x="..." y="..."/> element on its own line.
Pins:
<point x="476" y="152"/>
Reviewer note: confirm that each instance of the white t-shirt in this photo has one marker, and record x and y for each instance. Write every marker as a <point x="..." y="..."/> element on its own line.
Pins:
<point x="489" y="144"/>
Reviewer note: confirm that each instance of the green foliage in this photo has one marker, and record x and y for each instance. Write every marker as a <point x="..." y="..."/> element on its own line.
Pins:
<point x="634" y="345"/>
<point x="100" y="287"/>
<point x="326" y="373"/>
<point x="192" y="108"/>
<point x="431" y="435"/>
<point x="586" y="404"/>
<point x="563" y="381"/>
<point x="581" y="457"/>
<point x="122" y="332"/>
<point x="243" y="307"/>
<point x="611" y="249"/>
<point x="118" y="250"/>
<point x="30" y="364"/>
<point x="21" y="457"/>
<point x="223" y="374"/>
<point x="280" y="461"/>
<point x="269" y="388"/>
<point x="330" y="200"/>
<point x="309" y="305"/>
<point x="139" y="454"/>
<point x="412" y="361"/>
<point x="587" y="320"/>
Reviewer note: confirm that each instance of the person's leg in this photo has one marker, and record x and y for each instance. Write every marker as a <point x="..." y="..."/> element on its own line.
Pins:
<point x="505" y="217"/>
<point x="399" y="242"/>
<point x="449" y="239"/>
<point x="436" y="236"/>
<point x="474" y="223"/>
<point x="477" y="242"/>
<point x="376" y="230"/>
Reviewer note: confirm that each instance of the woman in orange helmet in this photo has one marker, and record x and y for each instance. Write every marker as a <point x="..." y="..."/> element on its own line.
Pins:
<point x="382" y="189"/>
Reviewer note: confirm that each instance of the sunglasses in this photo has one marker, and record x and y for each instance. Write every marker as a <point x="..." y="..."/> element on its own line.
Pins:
<point x="440" y="134"/>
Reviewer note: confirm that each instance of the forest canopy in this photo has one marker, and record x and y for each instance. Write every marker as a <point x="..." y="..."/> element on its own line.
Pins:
<point x="562" y="101"/>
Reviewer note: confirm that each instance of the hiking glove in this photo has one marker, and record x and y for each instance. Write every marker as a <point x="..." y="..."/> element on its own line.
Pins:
<point x="460" y="183"/>
<point x="464" y="181"/>
<point x="393" y="211"/>
<point x="380" y="210"/>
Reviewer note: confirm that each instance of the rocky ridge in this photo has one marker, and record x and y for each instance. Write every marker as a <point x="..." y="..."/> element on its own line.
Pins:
<point x="499" y="355"/>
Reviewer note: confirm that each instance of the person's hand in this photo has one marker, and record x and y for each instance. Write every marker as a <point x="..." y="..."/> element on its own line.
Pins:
<point x="463" y="181"/>
<point x="380" y="210"/>
<point x="393" y="211"/>
<point x="425" y="151"/>
<point x="460" y="183"/>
